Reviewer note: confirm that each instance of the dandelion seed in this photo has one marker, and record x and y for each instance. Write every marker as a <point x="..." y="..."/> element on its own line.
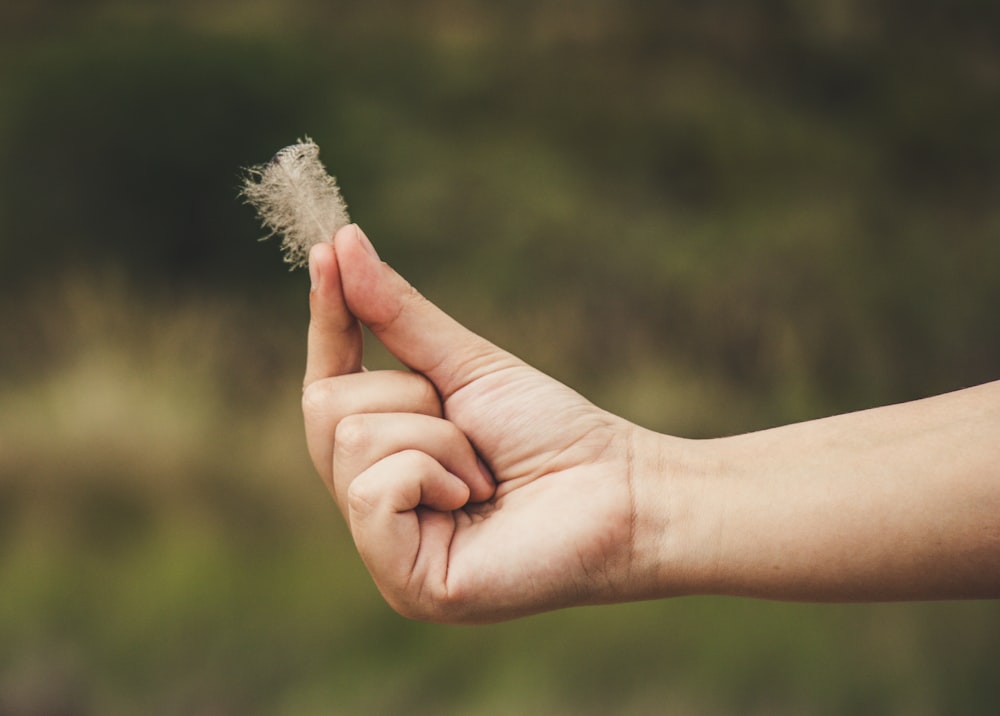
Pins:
<point x="296" y="199"/>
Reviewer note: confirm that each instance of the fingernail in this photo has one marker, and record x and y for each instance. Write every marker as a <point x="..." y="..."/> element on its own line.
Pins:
<point x="365" y="243"/>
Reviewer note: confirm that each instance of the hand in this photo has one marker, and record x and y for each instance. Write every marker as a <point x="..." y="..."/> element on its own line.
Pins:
<point x="475" y="487"/>
<point x="478" y="489"/>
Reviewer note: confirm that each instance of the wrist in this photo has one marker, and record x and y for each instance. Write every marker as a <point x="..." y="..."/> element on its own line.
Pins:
<point x="676" y="527"/>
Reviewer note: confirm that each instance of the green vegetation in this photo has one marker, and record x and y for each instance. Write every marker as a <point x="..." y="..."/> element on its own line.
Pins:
<point x="707" y="217"/>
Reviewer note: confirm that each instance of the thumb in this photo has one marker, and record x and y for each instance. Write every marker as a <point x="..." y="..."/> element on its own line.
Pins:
<point x="418" y="333"/>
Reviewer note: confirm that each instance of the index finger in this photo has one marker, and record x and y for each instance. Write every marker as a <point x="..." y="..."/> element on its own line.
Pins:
<point x="335" y="343"/>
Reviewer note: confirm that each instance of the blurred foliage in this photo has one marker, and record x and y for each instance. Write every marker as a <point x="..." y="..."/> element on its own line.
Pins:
<point x="708" y="217"/>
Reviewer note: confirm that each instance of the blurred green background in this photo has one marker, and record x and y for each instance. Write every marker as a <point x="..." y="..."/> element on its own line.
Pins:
<point x="708" y="217"/>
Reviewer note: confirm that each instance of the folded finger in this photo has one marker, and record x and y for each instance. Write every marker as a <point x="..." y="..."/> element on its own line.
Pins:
<point x="400" y="515"/>
<point x="361" y="440"/>
<point x="326" y="402"/>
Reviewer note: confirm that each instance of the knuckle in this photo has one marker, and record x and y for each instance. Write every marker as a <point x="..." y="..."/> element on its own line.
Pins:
<point x="314" y="399"/>
<point x="361" y="499"/>
<point x="387" y="316"/>
<point x="353" y="435"/>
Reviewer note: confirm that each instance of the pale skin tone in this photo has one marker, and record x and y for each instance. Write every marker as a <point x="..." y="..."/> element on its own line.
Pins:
<point x="478" y="489"/>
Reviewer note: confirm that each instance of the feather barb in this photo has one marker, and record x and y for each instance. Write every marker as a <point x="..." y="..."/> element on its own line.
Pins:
<point x="296" y="199"/>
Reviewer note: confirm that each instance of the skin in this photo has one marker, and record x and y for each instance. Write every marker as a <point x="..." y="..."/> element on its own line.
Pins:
<point x="479" y="489"/>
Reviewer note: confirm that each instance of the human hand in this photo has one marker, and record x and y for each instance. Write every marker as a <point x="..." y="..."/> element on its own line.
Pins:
<point x="476" y="488"/>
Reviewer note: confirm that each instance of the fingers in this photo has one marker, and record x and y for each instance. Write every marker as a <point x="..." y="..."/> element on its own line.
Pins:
<point x="335" y="345"/>
<point x="401" y="517"/>
<point x="363" y="440"/>
<point x="399" y="478"/>
<point x="326" y="402"/>
<point x="413" y="329"/>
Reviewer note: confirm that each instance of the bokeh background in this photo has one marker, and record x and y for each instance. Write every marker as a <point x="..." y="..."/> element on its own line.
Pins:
<point x="710" y="217"/>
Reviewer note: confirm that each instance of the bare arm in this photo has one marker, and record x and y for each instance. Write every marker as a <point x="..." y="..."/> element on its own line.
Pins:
<point x="899" y="502"/>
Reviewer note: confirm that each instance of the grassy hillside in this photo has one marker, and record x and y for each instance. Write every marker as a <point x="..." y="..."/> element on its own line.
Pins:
<point x="708" y="218"/>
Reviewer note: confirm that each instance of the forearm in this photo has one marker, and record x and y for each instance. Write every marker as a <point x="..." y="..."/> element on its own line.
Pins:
<point x="900" y="502"/>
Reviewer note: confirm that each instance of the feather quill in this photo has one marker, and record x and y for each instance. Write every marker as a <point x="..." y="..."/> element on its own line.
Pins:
<point x="297" y="199"/>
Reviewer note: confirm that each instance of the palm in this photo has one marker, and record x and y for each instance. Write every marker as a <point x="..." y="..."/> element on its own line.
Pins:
<point x="557" y="526"/>
<point x="561" y="515"/>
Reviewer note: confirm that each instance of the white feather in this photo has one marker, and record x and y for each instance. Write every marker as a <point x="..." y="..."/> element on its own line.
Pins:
<point x="296" y="198"/>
